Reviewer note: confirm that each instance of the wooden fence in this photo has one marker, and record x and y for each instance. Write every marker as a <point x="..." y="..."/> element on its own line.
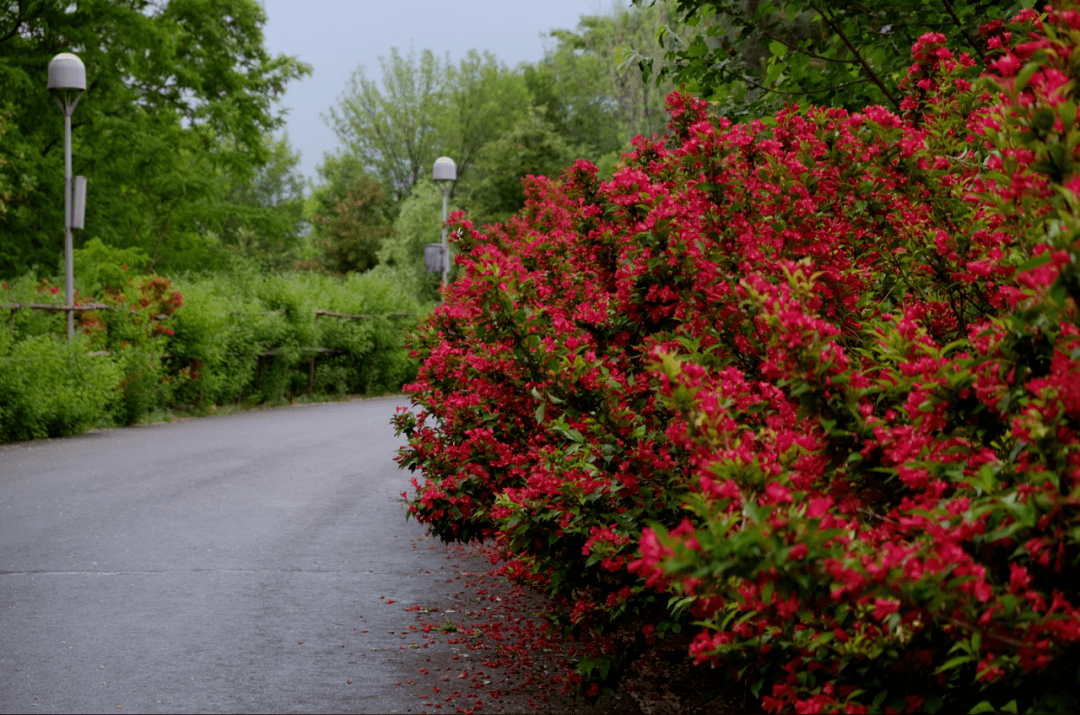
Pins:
<point x="65" y="308"/>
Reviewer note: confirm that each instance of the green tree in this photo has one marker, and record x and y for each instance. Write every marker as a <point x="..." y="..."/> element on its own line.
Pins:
<point x="12" y="186"/>
<point x="267" y="213"/>
<point x="350" y="215"/>
<point x="418" y="223"/>
<point x="494" y="190"/>
<point x="426" y="108"/>
<point x="752" y="56"/>
<point x="180" y="94"/>
<point x="587" y="90"/>
<point x="337" y="174"/>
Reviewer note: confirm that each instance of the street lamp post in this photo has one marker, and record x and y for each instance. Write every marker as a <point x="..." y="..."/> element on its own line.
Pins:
<point x="445" y="174"/>
<point x="67" y="75"/>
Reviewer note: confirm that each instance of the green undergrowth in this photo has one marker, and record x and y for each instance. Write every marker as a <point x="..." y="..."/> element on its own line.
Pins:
<point x="197" y="346"/>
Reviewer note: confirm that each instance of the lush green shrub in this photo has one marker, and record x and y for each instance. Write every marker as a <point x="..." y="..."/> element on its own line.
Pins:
<point x="99" y="266"/>
<point x="244" y="337"/>
<point x="25" y="323"/>
<point x="127" y="330"/>
<point x="229" y="324"/>
<point x="134" y="334"/>
<point x="51" y="388"/>
<point x="125" y="340"/>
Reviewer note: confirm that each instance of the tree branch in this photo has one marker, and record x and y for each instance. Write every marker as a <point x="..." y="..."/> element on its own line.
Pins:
<point x="988" y="636"/>
<point x="866" y="67"/>
<point x="811" y="91"/>
<point x="808" y="54"/>
<point x="15" y="25"/>
<point x="952" y="13"/>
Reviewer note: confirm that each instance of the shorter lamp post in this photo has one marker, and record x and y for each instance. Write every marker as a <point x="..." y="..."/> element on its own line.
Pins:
<point x="445" y="174"/>
<point x="67" y="75"/>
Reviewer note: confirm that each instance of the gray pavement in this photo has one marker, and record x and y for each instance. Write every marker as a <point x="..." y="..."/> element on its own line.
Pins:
<point x="242" y="563"/>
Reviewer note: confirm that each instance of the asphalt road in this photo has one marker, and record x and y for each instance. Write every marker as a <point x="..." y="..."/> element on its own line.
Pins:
<point x="255" y="562"/>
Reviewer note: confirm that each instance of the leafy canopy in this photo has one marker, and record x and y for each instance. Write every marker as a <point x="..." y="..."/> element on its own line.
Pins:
<point x="753" y="56"/>
<point x="427" y="107"/>
<point x="180" y="95"/>
<point x="586" y="91"/>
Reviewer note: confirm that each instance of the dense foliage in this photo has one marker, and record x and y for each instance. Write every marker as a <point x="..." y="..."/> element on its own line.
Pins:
<point x="587" y="91"/>
<point x="810" y="382"/>
<point x="235" y="321"/>
<point x="176" y="134"/>
<point x="178" y="107"/>
<point x="426" y="107"/>
<point x="499" y="124"/>
<point x="753" y="56"/>
<point x="193" y="344"/>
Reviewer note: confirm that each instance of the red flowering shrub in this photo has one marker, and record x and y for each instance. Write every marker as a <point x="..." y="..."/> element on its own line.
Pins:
<point x="135" y="335"/>
<point x="822" y="371"/>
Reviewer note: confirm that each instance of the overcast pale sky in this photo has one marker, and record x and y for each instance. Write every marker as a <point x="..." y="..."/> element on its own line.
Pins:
<point x="336" y="36"/>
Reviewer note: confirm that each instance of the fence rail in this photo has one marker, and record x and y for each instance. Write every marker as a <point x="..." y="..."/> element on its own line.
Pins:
<point x="101" y="306"/>
<point x="360" y="316"/>
<point x="65" y="308"/>
<point x="50" y="306"/>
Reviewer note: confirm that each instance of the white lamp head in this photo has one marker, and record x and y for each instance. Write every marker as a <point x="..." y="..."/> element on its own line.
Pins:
<point x="445" y="169"/>
<point x="66" y="71"/>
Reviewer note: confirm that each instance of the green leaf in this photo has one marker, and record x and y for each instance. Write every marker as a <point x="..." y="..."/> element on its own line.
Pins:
<point x="954" y="662"/>
<point x="1024" y="76"/>
<point x="1034" y="262"/>
<point x="1043" y="120"/>
<point x="767" y="592"/>
<point x="983" y="707"/>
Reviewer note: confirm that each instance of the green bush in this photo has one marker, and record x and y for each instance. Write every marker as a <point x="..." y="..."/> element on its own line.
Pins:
<point x="51" y="388"/>
<point x="99" y="266"/>
<point x="246" y="337"/>
<point x="254" y="338"/>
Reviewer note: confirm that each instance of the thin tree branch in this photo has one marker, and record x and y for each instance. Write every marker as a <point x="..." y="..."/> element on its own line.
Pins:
<point x="813" y="91"/>
<point x="15" y="25"/>
<point x="960" y="26"/>
<point x="972" y="629"/>
<point x="808" y="54"/>
<point x="866" y="67"/>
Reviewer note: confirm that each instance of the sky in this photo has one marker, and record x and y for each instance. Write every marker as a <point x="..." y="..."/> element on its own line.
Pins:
<point x="337" y="36"/>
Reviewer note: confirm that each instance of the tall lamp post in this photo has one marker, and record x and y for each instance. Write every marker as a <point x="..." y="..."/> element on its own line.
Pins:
<point x="67" y="75"/>
<point x="445" y="174"/>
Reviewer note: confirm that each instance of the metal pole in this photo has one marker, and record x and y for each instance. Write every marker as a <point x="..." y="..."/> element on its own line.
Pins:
<point x="69" y="269"/>
<point x="445" y="246"/>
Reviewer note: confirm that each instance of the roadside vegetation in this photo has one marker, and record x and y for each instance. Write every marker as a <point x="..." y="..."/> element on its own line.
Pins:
<point x="160" y="347"/>
<point x="194" y="194"/>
